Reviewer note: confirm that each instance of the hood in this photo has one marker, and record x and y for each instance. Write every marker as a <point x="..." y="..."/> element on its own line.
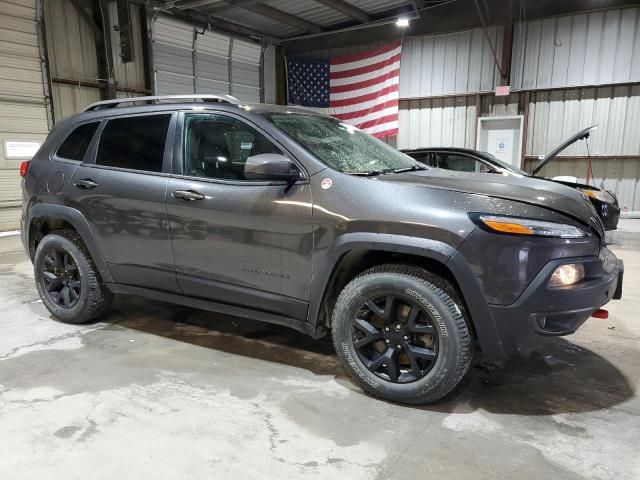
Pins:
<point x="581" y="135"/>
<point x="543" y="193"/>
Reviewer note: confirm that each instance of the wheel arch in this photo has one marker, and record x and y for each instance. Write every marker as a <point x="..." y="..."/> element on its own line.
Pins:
<point x="353" y="255"/>
<point x="44" y="218"/>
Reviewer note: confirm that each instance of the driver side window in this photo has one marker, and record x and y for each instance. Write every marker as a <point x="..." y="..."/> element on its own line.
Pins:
<point x="217" y="146"/>
<point x="460" y="163"/>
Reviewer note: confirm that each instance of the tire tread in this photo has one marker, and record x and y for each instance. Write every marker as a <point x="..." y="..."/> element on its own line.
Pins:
<point x="447" y="294"/>
<point x="100" y="297"/>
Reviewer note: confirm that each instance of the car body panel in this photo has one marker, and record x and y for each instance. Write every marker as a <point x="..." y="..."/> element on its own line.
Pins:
<point x="270" y="250"/>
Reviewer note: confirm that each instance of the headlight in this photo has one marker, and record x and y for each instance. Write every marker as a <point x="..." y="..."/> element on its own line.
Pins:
<point x="526" y="226"/>
<point x="567" y="275"/>
<point x="598" y="195"/>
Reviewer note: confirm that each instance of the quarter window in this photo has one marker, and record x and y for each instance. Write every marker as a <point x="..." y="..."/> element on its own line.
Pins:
<point x="217" y="146"/>
<point x="76" y="144"/>
<point x="135" y="143"/>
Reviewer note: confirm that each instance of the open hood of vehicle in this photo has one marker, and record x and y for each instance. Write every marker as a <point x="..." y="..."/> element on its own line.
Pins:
<point x="524" y="189"/>
<point x="581" y="135"/>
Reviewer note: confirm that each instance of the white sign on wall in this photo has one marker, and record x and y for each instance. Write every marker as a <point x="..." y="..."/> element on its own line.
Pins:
<point x="20" y="149"/>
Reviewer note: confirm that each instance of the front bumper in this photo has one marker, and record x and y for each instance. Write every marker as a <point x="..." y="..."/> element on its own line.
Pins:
<point x="542" y="311"/>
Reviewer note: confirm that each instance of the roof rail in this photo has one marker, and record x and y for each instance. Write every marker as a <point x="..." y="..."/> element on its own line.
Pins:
<point x="105" y="104"/>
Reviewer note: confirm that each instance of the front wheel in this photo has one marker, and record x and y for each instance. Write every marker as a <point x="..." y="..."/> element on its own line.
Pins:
<point x="401" y="334"/>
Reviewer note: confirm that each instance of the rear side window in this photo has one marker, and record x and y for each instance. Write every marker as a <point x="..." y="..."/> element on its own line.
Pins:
<point x="76" y="144"/>
<point x="135" y="143"/>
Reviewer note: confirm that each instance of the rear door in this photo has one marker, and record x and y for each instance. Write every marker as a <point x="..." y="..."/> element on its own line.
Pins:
<point x="236" y="241"/>
<point x="121" y="190"/>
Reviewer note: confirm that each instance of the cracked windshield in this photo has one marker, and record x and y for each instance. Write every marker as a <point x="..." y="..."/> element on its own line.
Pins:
<point x="342" y="146"/>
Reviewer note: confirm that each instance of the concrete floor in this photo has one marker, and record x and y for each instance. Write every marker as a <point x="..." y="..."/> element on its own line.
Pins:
<point x="165" y="392"/>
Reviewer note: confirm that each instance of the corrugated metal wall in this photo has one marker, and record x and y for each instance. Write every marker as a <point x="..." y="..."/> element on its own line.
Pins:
<point x="449" y="64"/>
<point x="556" y="115"/>
<point x="450" y="121"/>
<point x="588" y="49"/>
<point x="446" y="122"/>
<point x="596" y="51"/>
<point x="129" y="75"/>
<point x="189" y="61"/>
<point x="23" y="113"/>
<point x="71" y="47"/>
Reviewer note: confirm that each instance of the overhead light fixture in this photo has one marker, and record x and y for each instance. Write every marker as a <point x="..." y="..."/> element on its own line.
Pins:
<point x="402" y="22"/>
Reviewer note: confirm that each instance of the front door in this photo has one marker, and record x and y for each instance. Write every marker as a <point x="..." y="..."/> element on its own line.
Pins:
<point x="237" y="241"/>
<point x="121" y="192"/>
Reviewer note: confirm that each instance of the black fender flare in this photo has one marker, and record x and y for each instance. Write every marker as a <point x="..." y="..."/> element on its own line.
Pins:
<point x="386" y="242"/>
<point x="77" y="220"/>
<point x="443" y="253"/>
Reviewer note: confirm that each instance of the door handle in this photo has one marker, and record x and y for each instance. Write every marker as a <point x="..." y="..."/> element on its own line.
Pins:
<point x="188" y="195"/>
<point x="85" y="183"/>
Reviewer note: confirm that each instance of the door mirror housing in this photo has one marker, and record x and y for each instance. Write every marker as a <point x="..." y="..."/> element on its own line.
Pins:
<point x="271" y="166"/>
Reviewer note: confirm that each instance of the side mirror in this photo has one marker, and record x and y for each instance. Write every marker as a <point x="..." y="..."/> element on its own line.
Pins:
<point x="271" y="166"/>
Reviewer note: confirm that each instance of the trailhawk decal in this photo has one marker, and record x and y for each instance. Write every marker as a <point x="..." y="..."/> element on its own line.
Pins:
<point x="431" y="309"/>
<point x="360" y="373"/>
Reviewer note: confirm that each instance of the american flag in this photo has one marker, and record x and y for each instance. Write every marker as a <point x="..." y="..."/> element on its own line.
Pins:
<point x="360" y="89"/>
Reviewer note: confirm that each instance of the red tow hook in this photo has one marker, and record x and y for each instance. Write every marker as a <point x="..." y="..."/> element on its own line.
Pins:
<point x="601" y="313"/>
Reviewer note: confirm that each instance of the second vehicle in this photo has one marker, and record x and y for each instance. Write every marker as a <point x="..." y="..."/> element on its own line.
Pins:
<point x="467" y="160"/>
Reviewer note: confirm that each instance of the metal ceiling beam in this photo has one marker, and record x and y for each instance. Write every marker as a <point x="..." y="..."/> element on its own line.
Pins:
<point x="417" y="4"/>
<point x="204" y="20"/>
<point x="284" y="17"/>
<point x="347" y="9"/>
<point x="193" y="4"/>
<point x="231" y="6"/>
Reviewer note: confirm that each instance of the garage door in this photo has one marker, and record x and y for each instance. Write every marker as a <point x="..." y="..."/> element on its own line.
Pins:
<point x="23" y="115"/>
<point x="188" y="61"/>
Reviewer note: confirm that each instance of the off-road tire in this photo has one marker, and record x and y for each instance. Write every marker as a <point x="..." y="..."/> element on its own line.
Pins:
<point x="455" y="342"/>
<point x="94" y="299"/>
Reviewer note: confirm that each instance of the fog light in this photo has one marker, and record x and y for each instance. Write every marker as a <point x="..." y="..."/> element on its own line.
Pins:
<point x="567" y="275"/>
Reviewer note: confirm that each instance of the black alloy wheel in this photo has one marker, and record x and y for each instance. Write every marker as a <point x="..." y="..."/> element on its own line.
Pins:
<point x="61" y="278"/>
<point x="395" y="338"/>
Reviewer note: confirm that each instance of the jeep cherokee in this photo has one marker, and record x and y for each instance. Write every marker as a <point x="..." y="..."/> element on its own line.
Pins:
<point x="285" y="216"/>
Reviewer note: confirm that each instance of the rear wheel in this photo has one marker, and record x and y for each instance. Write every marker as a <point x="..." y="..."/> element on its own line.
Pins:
<point x="67" y="280"/>
<point x="401" y="334"/>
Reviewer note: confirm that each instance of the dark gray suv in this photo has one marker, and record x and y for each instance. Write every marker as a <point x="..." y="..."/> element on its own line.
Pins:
<point x="285" y="216"/>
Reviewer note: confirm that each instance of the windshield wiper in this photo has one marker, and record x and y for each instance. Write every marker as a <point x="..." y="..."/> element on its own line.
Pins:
<point x="374" y="173"/>
<point x="409" y="169"/>
<point x="371" y="173"/>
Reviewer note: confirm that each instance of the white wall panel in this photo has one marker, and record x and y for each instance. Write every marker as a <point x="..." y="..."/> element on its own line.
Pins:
<point x="437" y="122"/>
<point x="596" y="48"/>
<point x="556" y="115"/>
<point x="23" y="113"/>
<point x="449" y="64"/>
<point x="130" y="74"/>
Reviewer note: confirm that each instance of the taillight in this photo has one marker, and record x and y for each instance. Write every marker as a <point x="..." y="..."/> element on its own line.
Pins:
<point x="24" y="166"/>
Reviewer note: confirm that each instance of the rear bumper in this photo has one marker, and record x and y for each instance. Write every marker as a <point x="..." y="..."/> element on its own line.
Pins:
<point x="541" y="311"/>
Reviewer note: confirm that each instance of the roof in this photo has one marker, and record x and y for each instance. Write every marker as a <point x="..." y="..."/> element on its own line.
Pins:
<point x="187" y="105"/>
<point x="276" y="20"/>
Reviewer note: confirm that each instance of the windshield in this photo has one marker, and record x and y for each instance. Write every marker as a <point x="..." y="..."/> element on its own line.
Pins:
<point x="505" y="165"/>
<point x="342" y="146"/>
